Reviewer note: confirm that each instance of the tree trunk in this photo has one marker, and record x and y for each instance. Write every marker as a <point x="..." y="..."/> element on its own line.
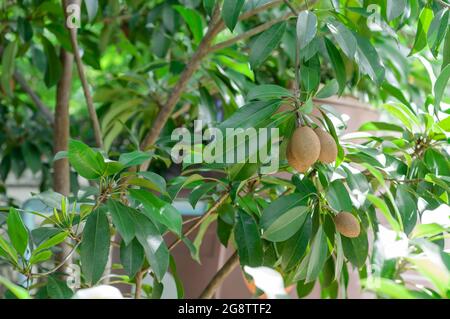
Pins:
<point x="61" y="134"/>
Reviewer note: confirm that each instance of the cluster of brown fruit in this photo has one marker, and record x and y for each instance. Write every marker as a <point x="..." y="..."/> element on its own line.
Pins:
<point x="307" y="146"/>
<point x="347" y="224"/>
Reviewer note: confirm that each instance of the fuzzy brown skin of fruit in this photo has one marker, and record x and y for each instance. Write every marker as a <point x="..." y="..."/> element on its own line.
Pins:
<point x="304" y="148"/>
<point x="328" y="147"/>
<point x="347" y="225"/>
<point x="293" y="162"/>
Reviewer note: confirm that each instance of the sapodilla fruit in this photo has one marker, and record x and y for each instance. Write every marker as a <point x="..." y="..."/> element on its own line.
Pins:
<point x="303" y="149"/>
<point x="347" y="224"/>
<point x="328" y="147"/>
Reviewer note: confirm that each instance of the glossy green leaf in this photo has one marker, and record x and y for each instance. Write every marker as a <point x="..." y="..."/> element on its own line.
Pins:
<point x="131" y="256"/>
<point x="318" y="255"/>
<point x="52" y="241"/>
<point x="122" y="218"/>
<point x="134" y="158"/>
<point x="158" y="182"/>
<point x="95" y="246"/>
<point x="53" y="67"/>
<point x="368" y="60"/>
<point x="267" y="92"/>
<point x="440" y="86"/>
<point x="337" y="64"/>
<point x="437" y="31"/>
<point x="425" y="18"/>
<point x="295" y="247"/>
<point x="344" y="37"/>
<point x="194" y="21"/>
<point x="306" y="28"/>
<point x="356" y="249"/>
<point x="17" y="232"/>
<point x="230" y="12"/>
<point x="58" y="289"/>
<point x="155" y="249"/>
<point x="248" y="240"/>
<point x="266" y="42"/>
<point x="286" y="224"/>
<point x="85" y="161"/>
<point x="8" y="60"/>
<point x="158" y="210"/>
<point x="338" y="197"/>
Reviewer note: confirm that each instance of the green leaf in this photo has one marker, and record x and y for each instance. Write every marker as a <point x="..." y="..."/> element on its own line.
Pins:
<point x="329" y="89"/>
<point x="304" y="289"/>
<point x="154" y="247"/>
<point x="201" y="233"/>
<point x="230" y="12"/>
<point x="92" y="8"/>
<point x="425" y="18"/>
<point x="134" y="158"/>
<point x="440" y="86"/>
<point x="437" y="31"/>
<point x="310" y="74"/>
<point x="247" y="236"/>
<point x="95" y="246"/>
<point x="387" y="288"/>
<point x="131" y="257"/>
<point x="286" y="224"/>
<point x="122" y="218"/>
<point x="53" y="66"/>
<point x="338" y="197"/>
<point x="40" y="257"/>
<point x="194" y="21"/>
<point x="198" y="192"/>
<point x="344" y="37"/>
<point x="158" y="210"/>
<point x="295" y="247"/>
<point x="446" y="57"/>
<point x="381" y="205"/>
<point x="279" y="207"/>
<point x="112" y="167"/>
<point x="403" y="114"/>
<point x="58" y="289"/>
<point x="209" y="6"/>
<point x="85" y="161"/>
<point x="267" y="92"/>
<point x="407" y="207"/>
<point x="8" y="60"/>
<point x="306" y="28"/>
<point x="395" y="8"/>
<point x="17" y="232"/>
<point x="337" y="63"/>
<point x="158" y="182"/>
<point x="356" y="249"/>
<point x="398" y="94"/>
<point x="19" y="292"/>
<point x="380" y="126"/>
<point x="51" y="242"/>
<point x="265" y="44"/>
<point x="368" y="60"/>
<point x="318" y="255"/>
<point x="7" y="251"/>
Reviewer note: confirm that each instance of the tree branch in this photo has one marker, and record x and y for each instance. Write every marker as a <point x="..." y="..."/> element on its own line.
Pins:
<point x="85" y="84"/>
<point x="34" y="97"/>
<point x="201" y="219"/>
<point x="220" y="276"/>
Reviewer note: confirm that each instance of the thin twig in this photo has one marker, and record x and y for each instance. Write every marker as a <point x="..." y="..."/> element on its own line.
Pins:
<point x="220" y="276"/>
<point x="138" y="290"/>
<point x="51" y="271"/>
<point x="34" y="97"/>
<point x="85" y="85"/>
<point x="200" y="220"/>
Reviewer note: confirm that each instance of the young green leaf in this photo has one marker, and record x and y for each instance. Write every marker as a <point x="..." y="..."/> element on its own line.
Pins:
<point x="344" y="37"/>
<point x="286" y="224"/>
<point x="194" y="21"/>
<point x="318" y="255"/>
<point x="368" y="60"/>
<point x="437" y="31"/>
<point x="440" y="86"/>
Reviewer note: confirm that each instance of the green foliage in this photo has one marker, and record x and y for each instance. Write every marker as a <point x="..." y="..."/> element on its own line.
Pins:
<point x="393" y="172"/>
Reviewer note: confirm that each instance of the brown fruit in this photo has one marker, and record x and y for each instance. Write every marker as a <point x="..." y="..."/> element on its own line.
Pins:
<point x="303" y="149"/>
<point x="328" y="147"/>
<point x="285" y="107"/>
<point x="293" y="162"/>
<point x="347" y="225"/>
